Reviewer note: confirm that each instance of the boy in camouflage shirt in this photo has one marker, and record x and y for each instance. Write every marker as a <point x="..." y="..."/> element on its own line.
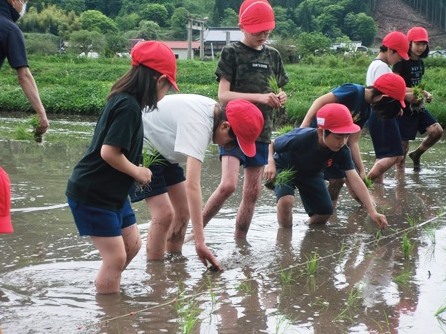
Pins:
<point x="245" y="71"/>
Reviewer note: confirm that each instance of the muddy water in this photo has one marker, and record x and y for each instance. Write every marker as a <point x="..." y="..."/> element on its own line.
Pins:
<point x="363" y="282"/>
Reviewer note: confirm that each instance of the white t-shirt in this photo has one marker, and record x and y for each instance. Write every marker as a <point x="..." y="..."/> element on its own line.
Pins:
<point x="376" y="68"/>
<point x="180" y="126"/>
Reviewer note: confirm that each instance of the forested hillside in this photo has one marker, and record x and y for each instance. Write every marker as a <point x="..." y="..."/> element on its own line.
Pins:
<point x="403" y="14"/>
<point x="106" y="27"/>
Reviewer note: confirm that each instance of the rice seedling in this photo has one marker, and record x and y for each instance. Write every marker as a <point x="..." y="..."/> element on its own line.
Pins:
<point x="413" y="221"/>
<point x="187" y="310"/>
<point x="245" y="287"/>
<point x="312" y="264"/>
<point x="429" y="230"/>
<point x="403" y="279"/>
<point x="353" y="301"/>
<point x="320" y="303"/>
<point x="27" y="130"/>
<point x="284" y="129"/>
<point x="440" y="311"/>
<point x="368" y="183"/>
<point x="273" y="84"/>
<point x="387" y="327"/>
<point x="284" y="177"/>
<point x="407" y="246"/>
<point x="211" y="290"/>
<point x="22" y="132"/>
<point x="282" y="324"/>
<point x="151" y="156"/>
<point x="287" y="276"/>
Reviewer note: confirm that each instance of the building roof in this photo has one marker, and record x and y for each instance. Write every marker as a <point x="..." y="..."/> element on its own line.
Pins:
<point x="218" y="34"/>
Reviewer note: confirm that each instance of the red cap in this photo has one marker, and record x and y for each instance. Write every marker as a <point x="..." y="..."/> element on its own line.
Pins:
<point x="397" y="41"/>
<point x="157" y="56"/>
<point x="246" y="121"/>
<point x="5" y="203"/>
<point x="337" y="118"/>
<point x="393" y="85"/>
<point x="418" y="34"/>
<point x="256" y="16"/>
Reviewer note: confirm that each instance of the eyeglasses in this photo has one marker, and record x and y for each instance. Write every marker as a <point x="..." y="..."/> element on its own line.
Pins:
<point x="265" y="32"/>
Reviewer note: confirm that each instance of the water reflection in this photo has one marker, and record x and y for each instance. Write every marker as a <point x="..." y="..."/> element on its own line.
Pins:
<point x="363" y="284"/>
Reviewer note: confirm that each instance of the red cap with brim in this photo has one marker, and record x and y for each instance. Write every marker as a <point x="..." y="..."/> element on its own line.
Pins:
<point x="256" y="16"/>
<point x="397" y="41"/>
<point x="246" y="121"/>
<point x="392" y="85"/>
<point x="5" y="203"/>
<point x="157" y="56"/>
<point x="418" y="34"/>
<point x="336" y="118"/>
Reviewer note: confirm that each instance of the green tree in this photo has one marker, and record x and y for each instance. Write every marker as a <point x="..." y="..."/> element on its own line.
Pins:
<point x="178" y="22"/>
<point x="116" y="43"/>
<point x="86" y="41"/>
<point x="148" y="30"/>
<point x="95" y="20"/>
<point x="230" y="18"/>
<point x="127" y="22"/>
<point x="360" y="27"/>
<point x="51" y="20"/>
<point x="155" y="12"/>
<point x="309" y="42"/>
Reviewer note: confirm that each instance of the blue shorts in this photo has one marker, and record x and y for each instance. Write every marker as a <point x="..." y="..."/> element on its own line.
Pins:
<point x="260" y="159"/>
<point x="411" y="123"/>
<point x="98" y="222"/>
<point x="163" y="176"/>
<point x="386" y="137"/>
<point x="313" y="193"/>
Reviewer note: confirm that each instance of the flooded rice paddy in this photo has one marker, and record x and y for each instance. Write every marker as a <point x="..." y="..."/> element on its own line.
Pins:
<point x="341" y="278"/>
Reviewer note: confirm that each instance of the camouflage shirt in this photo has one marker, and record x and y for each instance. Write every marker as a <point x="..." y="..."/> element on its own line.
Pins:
<point x="249" y="70"/>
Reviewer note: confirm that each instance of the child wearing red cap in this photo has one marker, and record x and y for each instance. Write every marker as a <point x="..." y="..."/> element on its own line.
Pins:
<point x="415" y="117"/>
<point x="307" y="152"/>
<point x="180" y="130"/>
<point x="98" y="188"/>
<point x="245" y="71"/>
<point x="358" y="99"/>
<point x="384" y="132"/>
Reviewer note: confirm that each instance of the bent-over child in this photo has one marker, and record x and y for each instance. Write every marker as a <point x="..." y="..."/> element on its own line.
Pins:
<point x="178" y="131"/>
<point x="386" y="95"/>
<point x="306" y="152"/>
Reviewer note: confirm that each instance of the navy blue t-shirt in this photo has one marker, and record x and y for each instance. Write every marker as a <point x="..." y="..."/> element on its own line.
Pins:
<point x="12" y="42"/>
<point x="300" y="149"/>
<point x="353" y="97"/>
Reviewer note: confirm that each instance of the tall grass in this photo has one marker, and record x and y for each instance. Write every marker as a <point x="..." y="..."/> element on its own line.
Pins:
<point x="80" y="86"/>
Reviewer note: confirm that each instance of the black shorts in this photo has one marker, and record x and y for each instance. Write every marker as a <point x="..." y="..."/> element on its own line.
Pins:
<point x="411" y="123"/>
<point x="163" y="176"/>
<point x="313" y="193"/>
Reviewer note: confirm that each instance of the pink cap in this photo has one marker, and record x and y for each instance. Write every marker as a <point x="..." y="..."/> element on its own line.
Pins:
<point x="5" y="203"/>
<point x="392" y="85"/>
<point x="418" y="34"/>
<point x="336" y="118"/>
<point x="157" y="56"/>
<point x="256" y="16"/>
<point x="397" y="41"/>
<point x="246" y="121"/>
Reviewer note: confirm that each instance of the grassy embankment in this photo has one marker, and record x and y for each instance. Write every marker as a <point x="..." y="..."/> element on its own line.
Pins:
<point x="79" y="86"/>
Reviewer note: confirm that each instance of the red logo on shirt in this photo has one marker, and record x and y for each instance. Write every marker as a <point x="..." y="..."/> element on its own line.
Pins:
<point x="329" y="162"/>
